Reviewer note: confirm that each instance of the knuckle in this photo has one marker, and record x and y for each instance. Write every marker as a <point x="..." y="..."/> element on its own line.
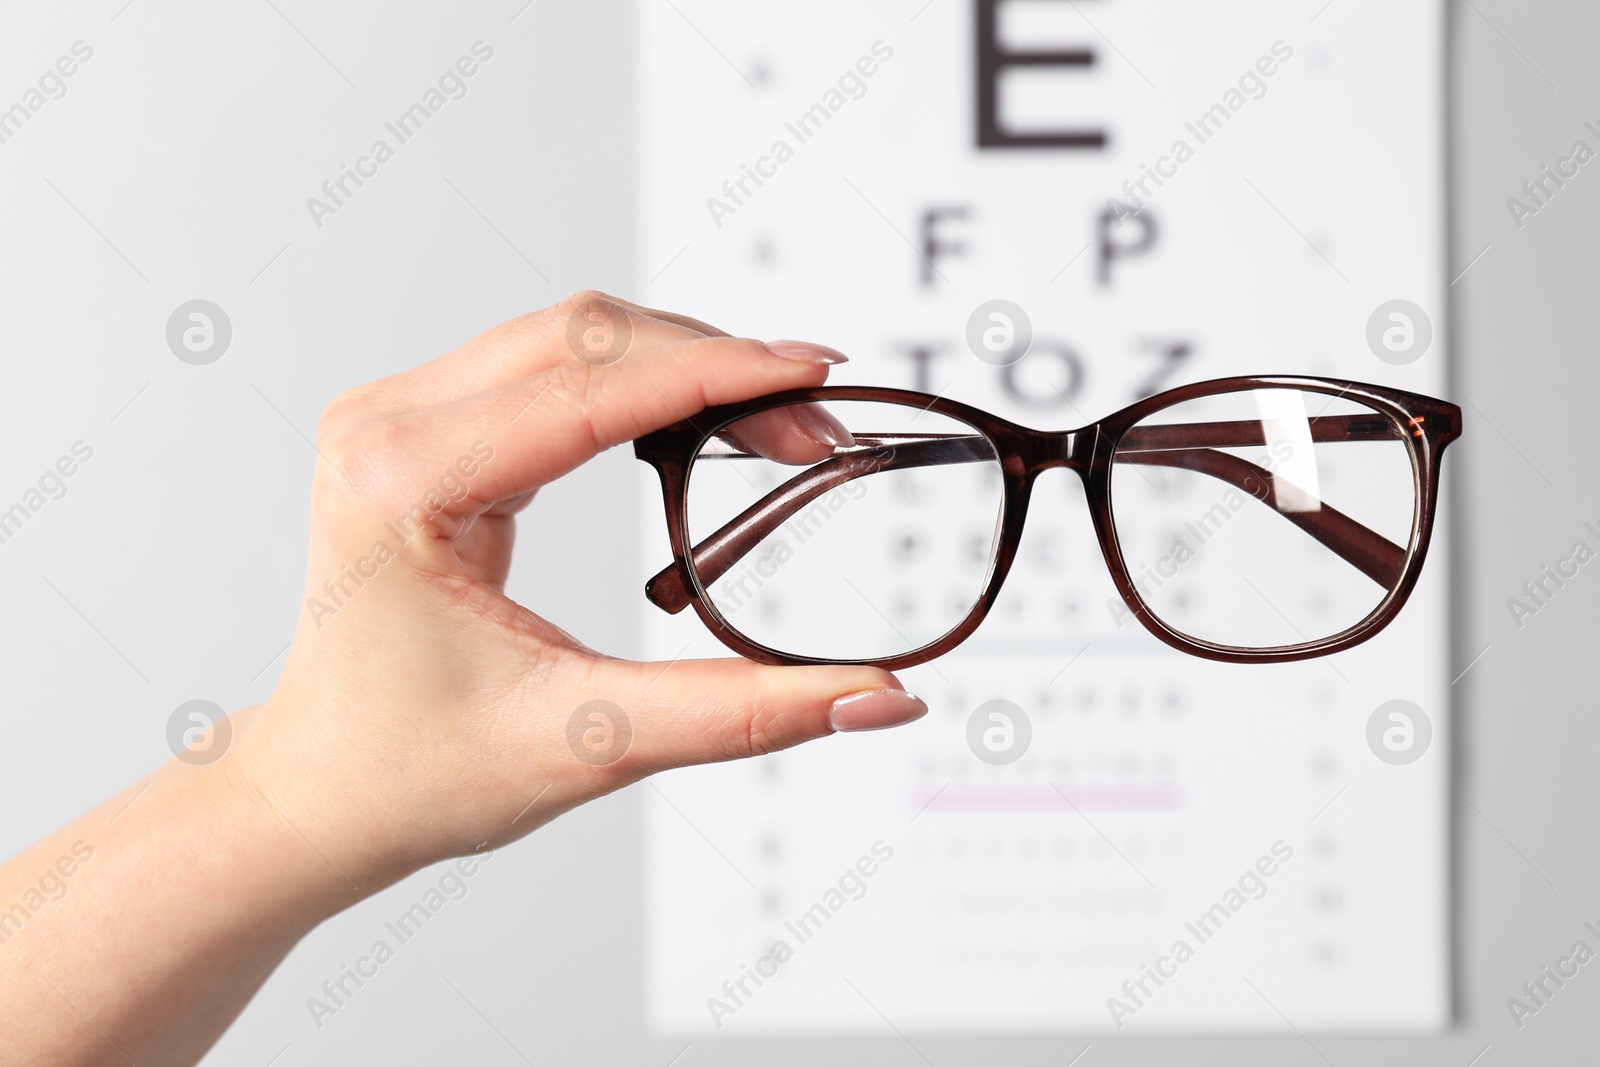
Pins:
<point x="760" y="736"/>
<point x="579" y="308"/>
<point x="754" y="743"/>
<point x="592" y="326"/>
<point x="585" y="298"/>
<point x="575" y="386"/>
<point x="359" y="462"/>
<point x="343" y="411"/>
<point x="598" y="328"/>
<point x="549" y="324"/>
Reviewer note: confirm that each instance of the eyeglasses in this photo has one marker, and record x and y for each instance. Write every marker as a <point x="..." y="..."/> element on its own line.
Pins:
<point x="865" y="525"/>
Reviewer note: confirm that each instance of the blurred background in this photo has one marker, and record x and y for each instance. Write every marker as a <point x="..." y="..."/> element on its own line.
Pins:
<point x="191" y="165"/>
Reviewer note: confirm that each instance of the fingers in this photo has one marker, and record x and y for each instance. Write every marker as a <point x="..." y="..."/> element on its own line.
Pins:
<point x="530" y="431"/>
<point x="706" y="711"/>
<point x="586" y="326"/>
<point x="673" y="317"/>
<point x="795" y="434"/>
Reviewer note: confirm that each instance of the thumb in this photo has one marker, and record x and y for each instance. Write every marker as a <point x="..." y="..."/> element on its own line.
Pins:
<point x="706" y="711"/>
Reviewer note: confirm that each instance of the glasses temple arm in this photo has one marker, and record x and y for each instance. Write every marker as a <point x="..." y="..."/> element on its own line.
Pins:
<point x="1246" y="433"/>
<point x="1363" y="548"/>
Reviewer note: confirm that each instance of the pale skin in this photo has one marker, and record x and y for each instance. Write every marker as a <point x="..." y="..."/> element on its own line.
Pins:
<point x="422" y="720"/>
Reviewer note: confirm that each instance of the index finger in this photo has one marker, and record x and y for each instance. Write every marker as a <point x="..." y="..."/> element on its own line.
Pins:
<point x="530" y="431"/>
<point x="531" y="344"/>
<point x="795" y="434"/>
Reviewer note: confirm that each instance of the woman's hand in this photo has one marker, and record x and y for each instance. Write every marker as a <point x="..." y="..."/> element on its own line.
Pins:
<point x="422" y="713"/>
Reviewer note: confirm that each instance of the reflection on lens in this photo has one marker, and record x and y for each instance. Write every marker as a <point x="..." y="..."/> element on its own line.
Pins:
<point x="1265" y="517"/>
<point x="848" y="530"/>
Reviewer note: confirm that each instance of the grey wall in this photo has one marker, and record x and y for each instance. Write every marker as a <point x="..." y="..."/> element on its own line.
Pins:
<point x="176" y="167"/>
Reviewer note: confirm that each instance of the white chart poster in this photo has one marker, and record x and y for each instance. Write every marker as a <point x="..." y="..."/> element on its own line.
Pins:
<point x="1172" y="192"/>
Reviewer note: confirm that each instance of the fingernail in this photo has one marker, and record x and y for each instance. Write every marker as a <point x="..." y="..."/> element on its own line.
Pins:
<point x="806" y="352"/>
<point x="817" y="422"/>
<point x="876" y="709"/>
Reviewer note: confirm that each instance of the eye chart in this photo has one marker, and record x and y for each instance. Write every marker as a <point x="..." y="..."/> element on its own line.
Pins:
<point x="1170" y="192"/>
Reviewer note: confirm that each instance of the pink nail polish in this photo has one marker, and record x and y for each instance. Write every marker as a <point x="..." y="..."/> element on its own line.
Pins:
<point x="816" y="421"/>
<point x="806" y="352"/>
<point x="876" y="709"/>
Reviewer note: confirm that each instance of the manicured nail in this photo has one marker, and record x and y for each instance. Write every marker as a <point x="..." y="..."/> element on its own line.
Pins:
<point x="876" y="709"/>
<point x="816" y="421"/>
<point x="806" y="352"/>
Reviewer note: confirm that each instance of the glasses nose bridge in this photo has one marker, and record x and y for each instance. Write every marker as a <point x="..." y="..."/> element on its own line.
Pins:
<point x="1048" y="449"/>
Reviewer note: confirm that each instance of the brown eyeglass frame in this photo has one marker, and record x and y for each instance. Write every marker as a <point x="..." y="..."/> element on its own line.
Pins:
<point x="1424" y="424"/>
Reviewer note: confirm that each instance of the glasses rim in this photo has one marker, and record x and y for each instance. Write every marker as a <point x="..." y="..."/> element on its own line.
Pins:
<point x="1425" y="424"/>
<point x="881" y="450"/>
<point x="1416" y="532"/>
